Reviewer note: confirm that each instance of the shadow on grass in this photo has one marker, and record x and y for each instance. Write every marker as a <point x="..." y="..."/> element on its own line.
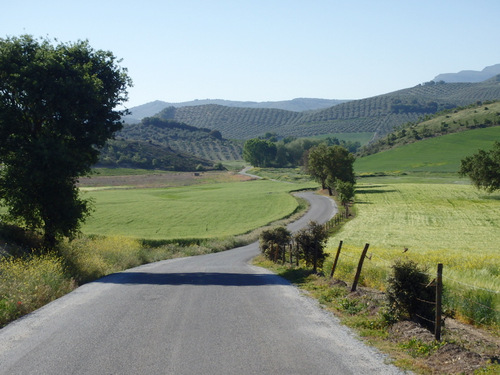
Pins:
<point x="374" y="191"/>
<point x="296" y="276"/>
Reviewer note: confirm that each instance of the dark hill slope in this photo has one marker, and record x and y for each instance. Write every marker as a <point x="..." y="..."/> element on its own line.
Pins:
<point x="202" y="143"/>
<point x="232" y="122"/>
<point x="379" y="114"/>
<point x="146" y="155"/>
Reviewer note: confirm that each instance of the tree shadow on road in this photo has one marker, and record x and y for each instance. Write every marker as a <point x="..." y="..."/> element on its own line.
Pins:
<point x="193" y="278"/>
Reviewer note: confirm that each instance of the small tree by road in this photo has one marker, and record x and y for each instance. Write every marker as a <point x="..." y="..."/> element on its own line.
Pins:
<point x="311" y="242"/>
<point x="272" y="242"/>
<point x="346" y="192"/>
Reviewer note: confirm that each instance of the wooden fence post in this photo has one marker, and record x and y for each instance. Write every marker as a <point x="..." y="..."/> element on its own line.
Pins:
<point x="336" y="259"/>
<point x="360" y="266"/>
<point x="439" y="294"/>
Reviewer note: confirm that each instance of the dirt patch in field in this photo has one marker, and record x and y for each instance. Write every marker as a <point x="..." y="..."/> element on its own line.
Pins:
<point x="160" y="180"/>
<point x="465" y="350"/>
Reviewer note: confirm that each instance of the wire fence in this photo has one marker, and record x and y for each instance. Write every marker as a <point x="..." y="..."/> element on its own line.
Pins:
<point x="474" y="304"/>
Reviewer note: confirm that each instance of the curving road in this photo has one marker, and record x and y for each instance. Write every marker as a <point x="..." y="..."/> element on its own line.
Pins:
<point x="211" y="314"/>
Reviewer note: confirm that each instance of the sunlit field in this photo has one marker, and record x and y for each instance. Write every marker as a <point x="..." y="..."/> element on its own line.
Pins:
<point x="198" y="211"/>
<point x="437" y="223"/>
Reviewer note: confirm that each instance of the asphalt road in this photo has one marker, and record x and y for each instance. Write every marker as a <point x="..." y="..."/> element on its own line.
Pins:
<point x="211" y="314"/>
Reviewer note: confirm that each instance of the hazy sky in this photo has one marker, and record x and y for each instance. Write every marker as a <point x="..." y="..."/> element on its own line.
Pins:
<point x="268" y="50"/>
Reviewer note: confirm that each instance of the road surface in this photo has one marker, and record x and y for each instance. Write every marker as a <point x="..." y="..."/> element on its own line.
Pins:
<point x="210" y="314"/>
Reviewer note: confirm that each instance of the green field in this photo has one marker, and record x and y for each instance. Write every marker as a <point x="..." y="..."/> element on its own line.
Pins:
<point x="440" y="154"/>
<point x="199" y="211"/>
<point x="439" y="223"/>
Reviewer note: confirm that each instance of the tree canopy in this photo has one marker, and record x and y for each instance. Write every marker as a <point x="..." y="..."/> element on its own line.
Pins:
<point x="483" y="168"/>
<point x="331" y="164"/>
<point x="259" y="152"/>
<point x="57" y="108"/>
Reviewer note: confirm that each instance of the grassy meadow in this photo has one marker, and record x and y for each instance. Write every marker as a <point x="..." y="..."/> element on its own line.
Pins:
<point x="198" y="211"/>
<point x="434" y="155"/>
<point x="424" y="206"/>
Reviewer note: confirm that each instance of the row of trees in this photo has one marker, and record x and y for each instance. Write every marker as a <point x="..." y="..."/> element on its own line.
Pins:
<point x="307" y="244"/>
<point x="267" y="151"/>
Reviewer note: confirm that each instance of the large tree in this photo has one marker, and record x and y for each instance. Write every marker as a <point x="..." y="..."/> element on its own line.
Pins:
<point x="316" y="163"/>
<point x="57" y="108"/>
<point x="483" y="168"/>
<point x="259" y="152"/>
<point x="340" y="166"/>
<point x="330" y="164"/>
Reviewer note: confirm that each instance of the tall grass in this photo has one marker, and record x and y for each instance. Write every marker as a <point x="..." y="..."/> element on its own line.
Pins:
<point x="438" y="223"/>
<point x="30" y="282"/>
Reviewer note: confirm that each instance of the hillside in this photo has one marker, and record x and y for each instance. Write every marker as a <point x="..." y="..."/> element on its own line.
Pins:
<point x="439" y="154"/>
<point x="145" y="155"/>
<point x="201" y="142"/>
<point x="378" y="115"/>
<point x="477" y="115"/>
<point x="470" y="75"/>
<point x="295" y="105"/>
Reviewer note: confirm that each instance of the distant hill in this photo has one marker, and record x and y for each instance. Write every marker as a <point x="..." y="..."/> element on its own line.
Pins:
<point x="147" y="155"/>
<point x="296" y="105"/>
<point x="202" y="143"/>
<point x="470" y="75"/>
<point x="378" y="115"/>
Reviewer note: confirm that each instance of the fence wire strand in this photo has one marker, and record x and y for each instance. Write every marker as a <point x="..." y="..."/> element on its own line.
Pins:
<point x="377" y="257"/>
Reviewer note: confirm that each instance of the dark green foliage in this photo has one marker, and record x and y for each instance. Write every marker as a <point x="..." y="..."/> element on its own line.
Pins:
<point x="346" y="191"/>
<point x="407" y="290"/>
<point x="272" y="242"/>
<point x="259" y="152"/>
<point x="311" y="242"/>
<point x="316" y="164"/>
<point x="329" y="164"/>
<point x="483" y="168"/>
<point x="56" y="111"/>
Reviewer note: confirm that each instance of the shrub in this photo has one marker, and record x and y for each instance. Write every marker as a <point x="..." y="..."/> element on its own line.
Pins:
<point x="408" y="294"/>
<point x="311" y="242"/>
<point x="272" y="242"/>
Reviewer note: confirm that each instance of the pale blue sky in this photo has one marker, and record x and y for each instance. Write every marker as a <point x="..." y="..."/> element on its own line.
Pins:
<point x="268" y="50"/>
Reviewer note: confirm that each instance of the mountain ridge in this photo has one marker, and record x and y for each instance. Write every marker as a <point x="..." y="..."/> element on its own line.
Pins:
<point x="294" y="105"/>
<point x="470" y="75"/>
<point x="378" y="114"/>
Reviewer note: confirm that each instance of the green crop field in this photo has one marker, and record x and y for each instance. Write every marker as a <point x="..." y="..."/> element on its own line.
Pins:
<point x="198" y="211"/>
<point x="440" y="154"/>
<point x="438" y="223"/>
